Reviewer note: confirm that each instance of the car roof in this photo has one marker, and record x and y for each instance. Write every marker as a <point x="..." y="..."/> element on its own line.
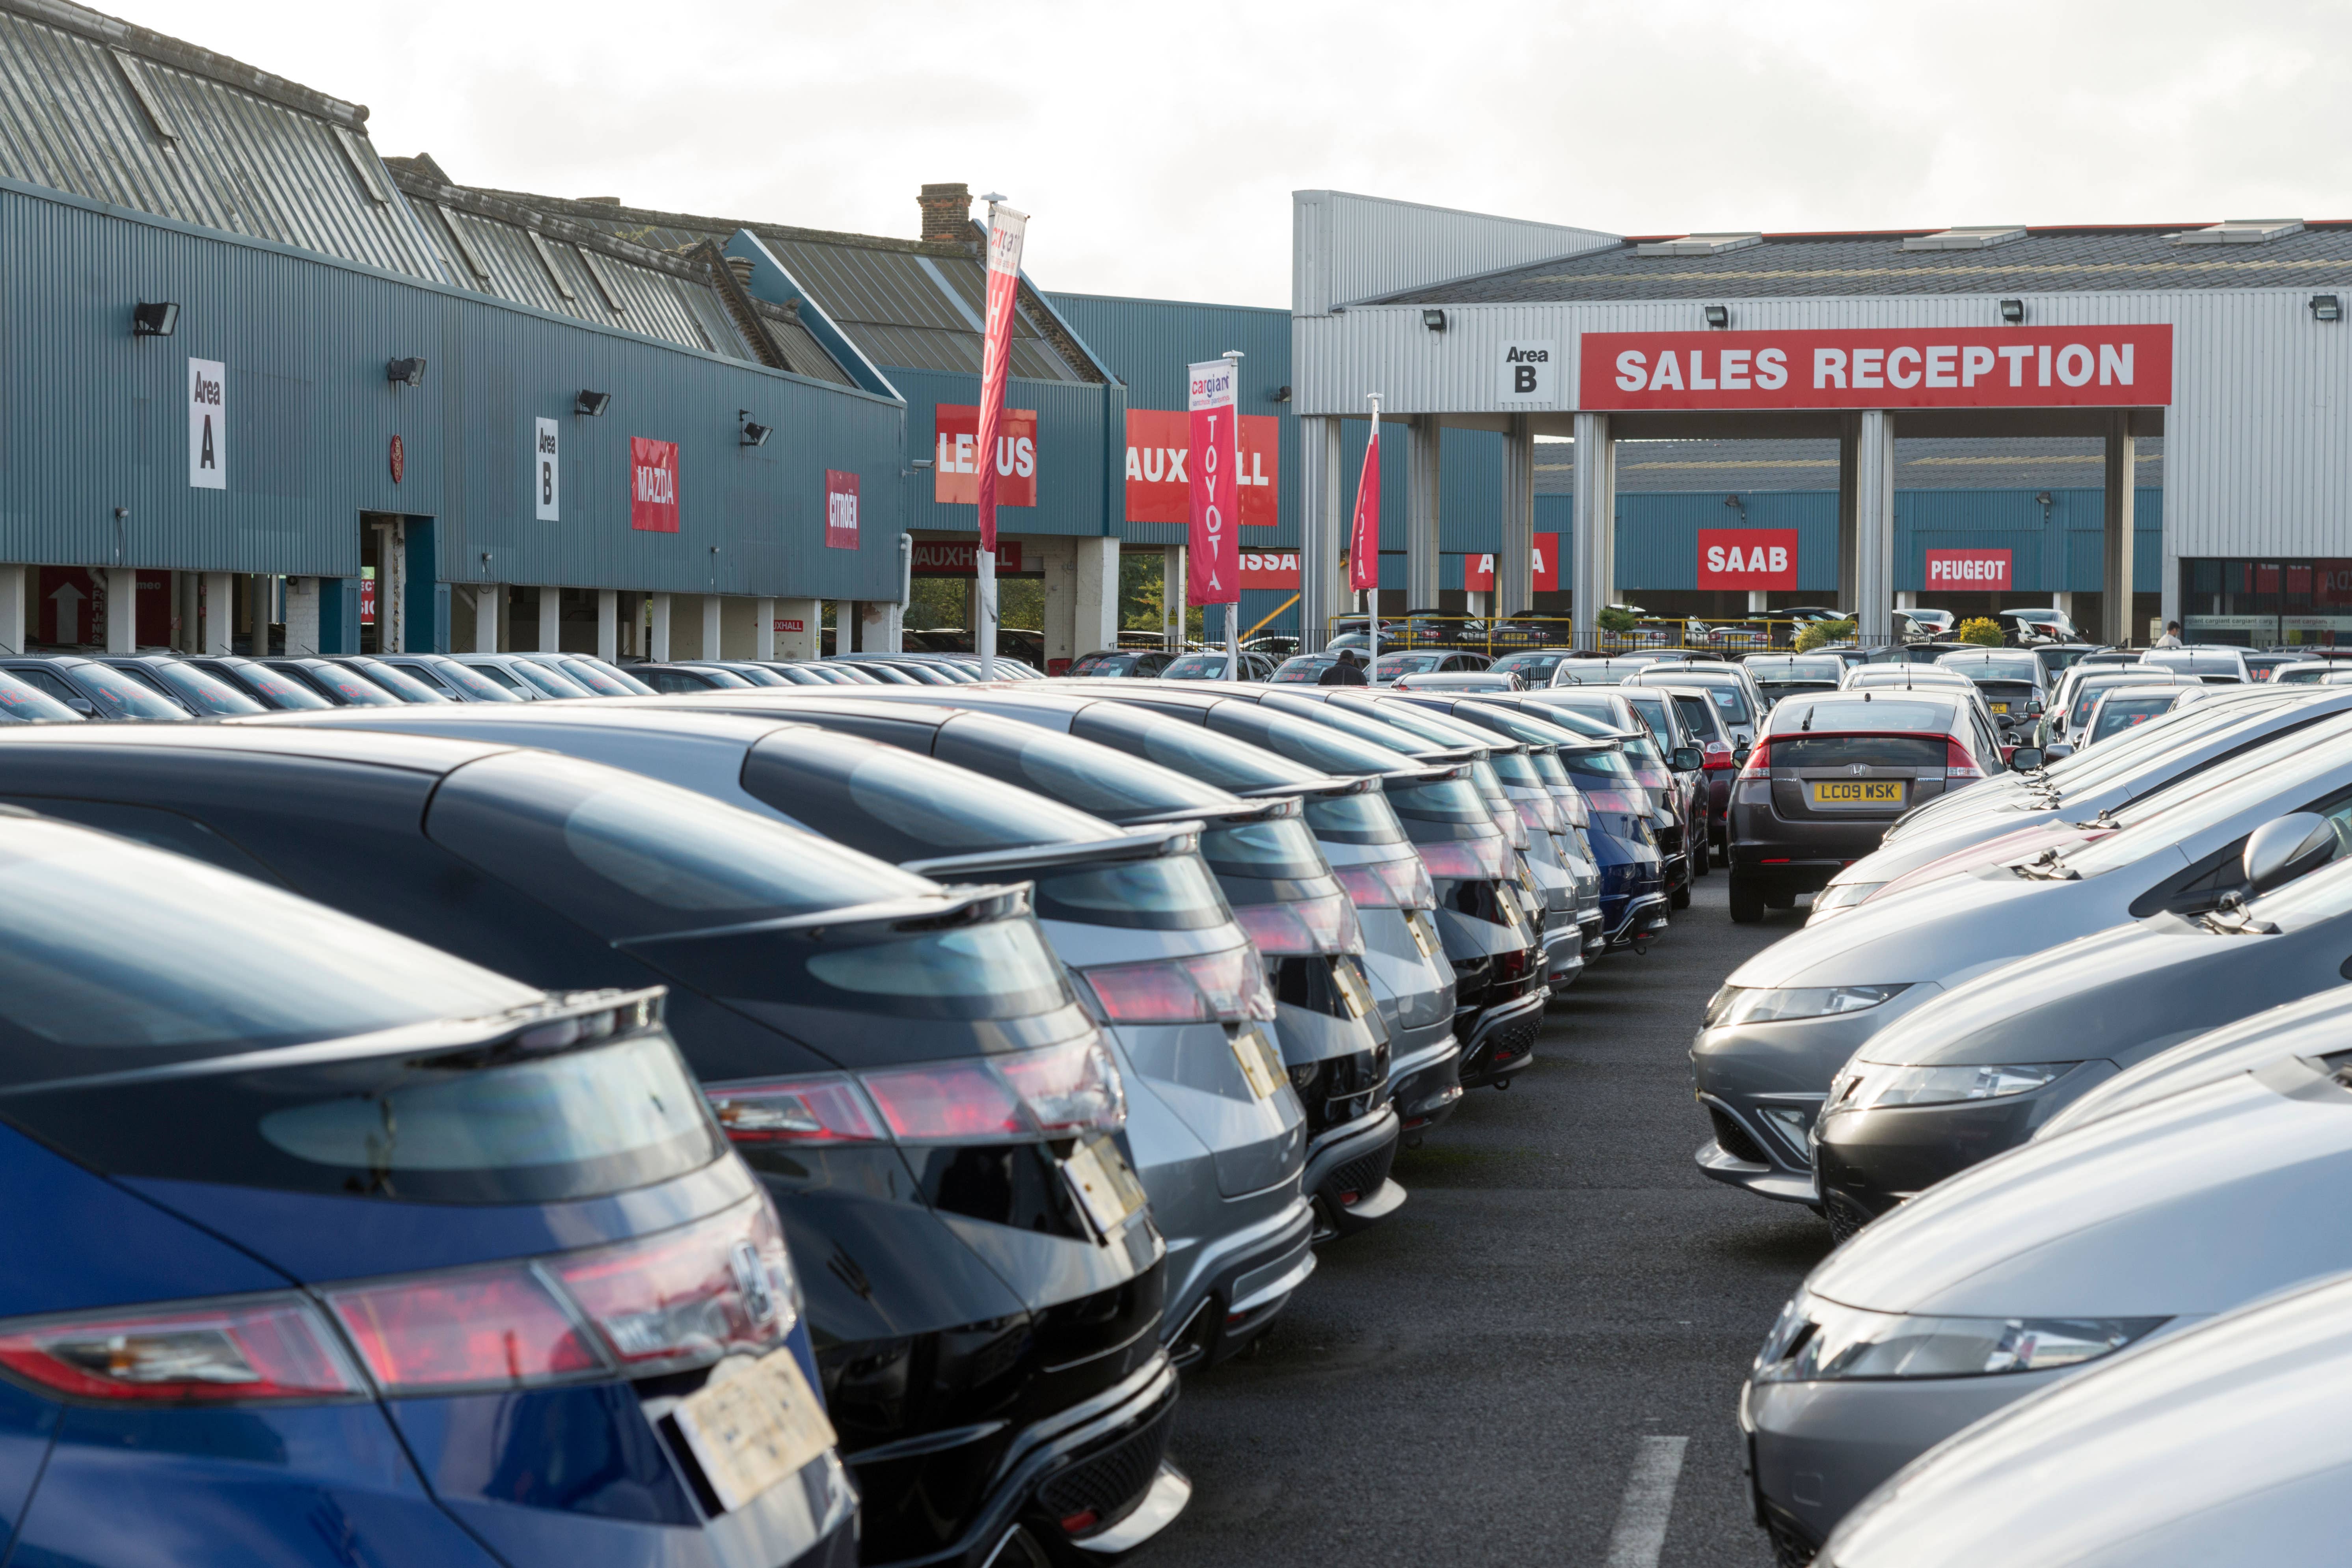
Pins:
<point x="413" y="753"/>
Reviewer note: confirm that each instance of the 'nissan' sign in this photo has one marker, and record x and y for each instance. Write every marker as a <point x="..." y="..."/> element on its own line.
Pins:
<point x="1907" y="367"/>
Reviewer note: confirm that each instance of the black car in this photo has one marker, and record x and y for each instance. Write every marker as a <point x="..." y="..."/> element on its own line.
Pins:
<point x="266" y="686"/>
<point x="904" y="1066"/>
<point x="205" y="696"/>
<point x="678" y="675"/>
<point x="95" y="689"/>
<point x="342" y="685"/>
<point x="1132" y="664"/>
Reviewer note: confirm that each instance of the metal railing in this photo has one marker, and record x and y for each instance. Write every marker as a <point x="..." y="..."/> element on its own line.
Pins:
<point x="1555" y="634"/>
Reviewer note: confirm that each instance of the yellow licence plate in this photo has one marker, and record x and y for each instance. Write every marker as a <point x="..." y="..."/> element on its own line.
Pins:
<point x="1858" y="792"/>
<point x="1997" y="707"/>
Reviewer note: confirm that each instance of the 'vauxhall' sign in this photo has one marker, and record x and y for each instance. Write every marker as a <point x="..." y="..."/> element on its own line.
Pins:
<point x="1903" y="367"/>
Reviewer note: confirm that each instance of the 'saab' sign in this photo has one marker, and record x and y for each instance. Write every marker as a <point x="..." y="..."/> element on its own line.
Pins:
<point x="1746" y="558"/>
<point x="1980" y="570"/>
<point x="1927" y="367"/>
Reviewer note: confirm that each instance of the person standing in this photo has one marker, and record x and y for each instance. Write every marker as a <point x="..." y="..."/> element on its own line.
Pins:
<point x="2171" y="638"/>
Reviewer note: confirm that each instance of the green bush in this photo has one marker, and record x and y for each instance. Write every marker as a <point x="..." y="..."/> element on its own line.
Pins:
<point x="1615" y="618"/>
<point x="1820" y="634"/>
<point x="1980" y="631"/>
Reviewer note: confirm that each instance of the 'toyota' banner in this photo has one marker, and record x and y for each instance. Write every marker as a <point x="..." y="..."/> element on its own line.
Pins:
<point x="1213" y="574"/>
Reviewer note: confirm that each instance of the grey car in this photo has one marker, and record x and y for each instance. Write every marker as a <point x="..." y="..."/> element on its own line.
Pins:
<point x="1218" y="1133"/>
<point x="1976" y="1069"/>
<point x="2108" y="1471"/>
<point x="2016" y="685"/>
<point x="443" y="672"/>
<point x="1788" y="1019"/>
<point x="527" y="676"/>
<point x="2000" y="1282"/>
<point x="2065" y="801"/>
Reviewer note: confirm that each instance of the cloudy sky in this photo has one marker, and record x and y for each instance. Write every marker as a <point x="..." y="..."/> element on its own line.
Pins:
<point x="1157" y="146"/>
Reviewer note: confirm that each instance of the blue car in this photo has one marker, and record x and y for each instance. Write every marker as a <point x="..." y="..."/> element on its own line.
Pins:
<point x="325" y="1247"/>
<point x="1633" y="897"/>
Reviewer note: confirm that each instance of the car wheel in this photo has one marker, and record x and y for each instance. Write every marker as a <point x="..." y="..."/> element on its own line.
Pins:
<point x="1701" y="861"/>
<point x="1747" y="902"/>
<point x="1680" y="898"/>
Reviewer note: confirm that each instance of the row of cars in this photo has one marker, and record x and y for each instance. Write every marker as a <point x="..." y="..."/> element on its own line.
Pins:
<point x="2059" y="1063"/>
<point x="764" y="1123"/>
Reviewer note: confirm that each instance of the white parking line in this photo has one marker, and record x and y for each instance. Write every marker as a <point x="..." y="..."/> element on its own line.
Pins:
<point x="1641" y="1532"/>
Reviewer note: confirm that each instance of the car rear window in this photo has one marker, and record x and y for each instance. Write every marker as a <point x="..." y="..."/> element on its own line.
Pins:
<point x="1191" y="749"/>
<point x="23" y="703"/>
<point x="1871" y="750"/>
<point x="1877" y="713"/>
<point x="1976" y="667"/>
<point x="900" y="807"/>
<point x="1281" y="848"/>
<point x="2126" y="712"/>
<point x="1172" y="892"/>
<point x="1362" y="817"/>
<point x="207" y="694"/>
<point x="978" y="968"/>
<point x="1075" y="771"/>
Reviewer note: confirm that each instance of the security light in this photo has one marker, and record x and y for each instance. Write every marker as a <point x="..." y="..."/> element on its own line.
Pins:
<point x="1279" y="395"/>
<point x="753" y="432"/>
<point x="2326" y="308"/>
<point x="406" y="371"/>
<point x="592" y="404"/>
<point x="2012" y="311"/>
<point x="1718" y="315"/>
<point x="1433" y="319"/>
<point x="155" y="320"/>
<point x="2042" y="497"/>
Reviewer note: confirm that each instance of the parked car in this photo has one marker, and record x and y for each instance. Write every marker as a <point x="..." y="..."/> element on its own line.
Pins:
<point x="1774" y="1037"/>
<point x="1673" y="793"/>
<point x="403" y="684"/>
<point x="2178" y="1492"/>
<point x="1736" y="694"/>
<point x="599" y="676"/>
<point x="2015" y="686"/>
<point x="1436" y="661"/>
<point x="458" y="682"/>
<point x="96" y="691"/>
<point x="1671" y="733"/>
<point x="528" y="678"/>
<point x="339" y="683"/>
<point x="22" y="703"/>
<point x="204" y="695"/>
<point x="1796" y="674"/>
<point x="905" y="1067"/>
<point x="2057" y="658"/>
<point x="1579" y="670"/>
<point x="2024" y="628"/>
<point x="1326" y="668"/>
<point x="2213" y="666"/>
<point x="1535" y="667"/>
<point x="2122" y="708"/>
<point x="1978" y="1069"/>
<point x="1212" y="667"/>
<point x="335" y="1249"/>
<point x="2069" y="711"/>
<point x="1116" y="663"/>
<point x="2005" y="1280"/>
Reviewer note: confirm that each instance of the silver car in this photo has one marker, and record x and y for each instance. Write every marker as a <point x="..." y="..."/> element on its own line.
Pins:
<point x="2003" y="1280"/>
<point x="1219" y="1136"/>
<point x="2224" y="1443"/>
<point x="1776" y="1034"/>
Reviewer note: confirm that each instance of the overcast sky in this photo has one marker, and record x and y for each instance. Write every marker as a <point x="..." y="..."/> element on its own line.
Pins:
<point x="1157" y="146"/>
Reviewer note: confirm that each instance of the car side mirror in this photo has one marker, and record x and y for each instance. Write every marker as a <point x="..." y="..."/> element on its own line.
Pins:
<point x="2033" y="709"/>
<point x="1687" y="760"/>
<point x="2024" y="759"/>
<point x="2278" y="852"/>
<point x="1739" y="752"/>
<point x="2057" y="752"/>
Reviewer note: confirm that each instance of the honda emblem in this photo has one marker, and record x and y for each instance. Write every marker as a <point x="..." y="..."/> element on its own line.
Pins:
<point x="751" y="1282"/>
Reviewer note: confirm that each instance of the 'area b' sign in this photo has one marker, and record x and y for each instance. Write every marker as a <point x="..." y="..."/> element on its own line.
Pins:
<point x="546" y="496"/>
<point x="1529" y="373"/>
<point x="207" y="424"/>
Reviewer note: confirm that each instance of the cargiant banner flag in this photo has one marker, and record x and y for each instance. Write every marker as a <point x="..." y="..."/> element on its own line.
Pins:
<point x="1006" y="229"/>
<point x="1213" y="574"/>
<point x="1879" y="367"/>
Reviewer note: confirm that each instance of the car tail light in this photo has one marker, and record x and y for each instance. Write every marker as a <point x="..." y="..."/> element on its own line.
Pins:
<point x="689" y="1296"/>
<point x="1759" y="761"/>
<point x="796" y="1110"/>
<point x="1390" y="884"/>
<point x="1466" y="859"/>
<point x="1055" y="1090"/>
<point x="498" y="1327"/>
<point x="1226" y="987"/>
<point x="1070" y="1089"/>
<point x="952" y="1101"/>
<point x="1324" y="924"/>
<point x="1717" y="756"/>
<point x="262" y="1348"/>
<point x="1958" y="764"/>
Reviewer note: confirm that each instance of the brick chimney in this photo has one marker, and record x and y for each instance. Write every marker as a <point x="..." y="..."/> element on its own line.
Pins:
<point x="947" y="214"/>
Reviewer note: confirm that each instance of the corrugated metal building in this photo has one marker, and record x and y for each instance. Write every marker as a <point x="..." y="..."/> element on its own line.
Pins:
<point x="251" y="219"/>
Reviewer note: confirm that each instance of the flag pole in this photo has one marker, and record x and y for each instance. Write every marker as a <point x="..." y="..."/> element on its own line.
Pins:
<point x="1007" y="228"/>
<point x="1373" y="597"/>
<point x="1234" y="610"/>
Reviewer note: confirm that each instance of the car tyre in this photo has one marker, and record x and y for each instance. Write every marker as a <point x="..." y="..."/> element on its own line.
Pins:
<point x="1747" y="902"/>
<point x="1701" y="861"/>
<point x="1680" y="898"/>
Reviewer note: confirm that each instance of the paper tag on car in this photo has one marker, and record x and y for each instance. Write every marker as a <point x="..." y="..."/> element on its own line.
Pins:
<point x="1109" y="1191"/>
<point x="1261" y="1067"/>
<point x="755" y="1429"/>
<point x="1417" y="921"/>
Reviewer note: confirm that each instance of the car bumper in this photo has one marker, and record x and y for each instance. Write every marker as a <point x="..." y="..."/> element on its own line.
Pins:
<point x="1644" y="917"/>
<point x="1425" y="1077"/>
<point x="1818" y="1448"/>
<point x="1868" y="1161"/>
<point x="1347" y="1174"/>
<point x="1245" y="1285"/>
<point x="1564" y="955"/>
<point x="1500" y="1039"/>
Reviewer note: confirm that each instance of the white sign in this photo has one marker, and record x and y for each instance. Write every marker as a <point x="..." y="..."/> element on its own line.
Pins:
<point x="1530" y="373"/>
<point x="207" y="424"/>
<point x="544" y="482"/>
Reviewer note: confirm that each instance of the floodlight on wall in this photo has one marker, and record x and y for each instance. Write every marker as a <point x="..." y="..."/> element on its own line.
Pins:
<point x="1718" y="315"/>
<point x="404" y="372"/>
<point x="1279" y="395"/>
<point x="592" y="404"/>
<point x="751" y="432"/>
<point x="2012" y="312"/>
<point x="2326" y="308"/>
<point x="1433" y="319"/>
<point x="2042" y="497"/>
<point x="159" y="319"/>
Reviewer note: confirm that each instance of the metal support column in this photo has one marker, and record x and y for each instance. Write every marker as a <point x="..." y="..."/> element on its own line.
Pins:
<point x="608" y="623"/>
<point x="657" y="634"/>
<point x="1515" y="558"/>
<point x="2116" y="557"/>
<point x="14" y="627"/>
<point x="1420" y="513"/>
<point x="1322" y="512"/>
<point x="551" y="620"/>
<point x="1874" y="528"/>
<point x="711" y="644"/>
<point x="487" y="598"/>
<point x="1849" y="446"/>
<point x="220" y="613"/>
<point x="1592" y="547"/>
<point x="122" y="610"/>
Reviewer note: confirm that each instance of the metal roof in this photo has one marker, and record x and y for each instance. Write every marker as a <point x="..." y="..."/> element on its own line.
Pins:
<point x="114" y="113"/>
<point x="2027" y="463"/>
<point x="907" y="304"/>
<point x="2045" y="261"/>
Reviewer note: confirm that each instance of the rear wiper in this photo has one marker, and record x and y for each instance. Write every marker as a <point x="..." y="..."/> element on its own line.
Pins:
<point x="2231" y="917"/>
<point x="2047" y="866"/>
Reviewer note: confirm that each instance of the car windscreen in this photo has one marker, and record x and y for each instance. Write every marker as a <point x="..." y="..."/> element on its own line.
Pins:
<point x="1191" y="749"/>
<point x="399" y="682"/>
<point x="608" y="683"/>
<point x="550" y="682"/>
<point x="1076" y="772"/>
<point x="1818" y="751"/>
<point x="21" y="702"/>
<point x="1698" y="716"/>
<point x="1729" y="699"/>
<point x="2289" y="773"/>
<point x="1362" y="817"/>
<point x="1877" y="713"/>
<point x="2093" y="687"/>
<point x="1653" y="708"/>
<point x="1279" y="847"/>
<point x="1197" y="667"/>
<point x="283" y="691"/>
<point x="1766" y="671"/>
<point x="900" y="807"/>
<point x="209" y="695"/>
<point x="629" y="856"/>
<point x="115" y="695"/>
<point x="465" y="678"/>
<point x="1535" y="669"/>
<point x="1395" y="664"/>
<point x="356" y="690"/>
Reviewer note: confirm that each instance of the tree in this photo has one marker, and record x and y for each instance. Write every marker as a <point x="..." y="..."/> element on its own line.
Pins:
<point x="1820" y="634"/>
<point x="1983" y="632"/>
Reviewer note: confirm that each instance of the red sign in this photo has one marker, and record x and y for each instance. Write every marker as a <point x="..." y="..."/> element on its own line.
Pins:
<point x="1748" y="558"/>
<point x="1969" y="570"/>
<point x="1159" y="459"/>
<point x="1478" y="571"/>
<point x="1007" y="229"/>
<point x="840" y="509"/>
<point x="367" y="596"/>
<point x="960" y="557"/>
<point x="955" y="456"/>
<point x="399" y="459"/>
<point x="1270" y="569"/>
<point x="653" y="485"/>
<point x="1905" y="367"/>
<point x="1212" y="556"/>
<point x="790" y="628"/>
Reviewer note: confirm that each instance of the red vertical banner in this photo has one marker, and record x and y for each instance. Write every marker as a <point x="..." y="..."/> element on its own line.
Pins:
<point x="1213" y="574"/>
<point x="1006" y="230"/>
<point x="653" y="485"/>
<point x="1364" y="533"/>
<point x="840" y="509"/>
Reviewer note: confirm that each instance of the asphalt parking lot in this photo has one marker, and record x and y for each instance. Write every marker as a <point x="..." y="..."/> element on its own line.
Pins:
<point x="1476" y="1381"/>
